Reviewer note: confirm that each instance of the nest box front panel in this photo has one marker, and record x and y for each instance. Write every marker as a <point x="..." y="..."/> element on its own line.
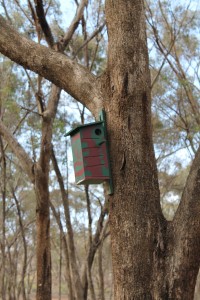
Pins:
<point x="90" y="153"/>
<point x="94" y="152"/>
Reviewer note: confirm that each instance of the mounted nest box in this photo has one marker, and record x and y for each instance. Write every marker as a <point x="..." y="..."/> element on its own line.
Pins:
<point x="90" y="153"/>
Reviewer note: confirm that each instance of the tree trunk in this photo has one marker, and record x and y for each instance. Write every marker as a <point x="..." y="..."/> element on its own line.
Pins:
<point x="136" y="220"/>
<point x="146" y="259"/>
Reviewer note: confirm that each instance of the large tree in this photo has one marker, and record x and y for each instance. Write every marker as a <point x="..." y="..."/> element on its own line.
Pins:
<point x="152" y="257"/>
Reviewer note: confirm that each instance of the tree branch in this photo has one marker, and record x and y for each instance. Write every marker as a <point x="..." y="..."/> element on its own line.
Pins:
<point x="56" y="67"/>
<point x="74" y="23"/>
<point x="47" y="127"/>
<point x="17" y="149"/>
<point x="189" y="207"/>
<point x="23" y="11"/>
<point x="43" y="23"/>
<point x="185" y="226"/>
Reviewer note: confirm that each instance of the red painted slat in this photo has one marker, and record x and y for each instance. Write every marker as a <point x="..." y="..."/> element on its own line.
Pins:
<point x="93" y="161"/>
<point x="96" y="171"/>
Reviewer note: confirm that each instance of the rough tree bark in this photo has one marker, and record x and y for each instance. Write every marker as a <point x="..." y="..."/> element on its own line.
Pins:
<point x="136" y="219"/>
<point x="152" y="258"/>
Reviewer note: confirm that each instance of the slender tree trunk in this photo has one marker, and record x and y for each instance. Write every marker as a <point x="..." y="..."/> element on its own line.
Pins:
<point x="43" y="236"/>
<point x="30" y="276"/>
<point x="97" y="239"/>
<point x="23" y="274"/>
<point x="3" y="192"/>
<point x="13" y="267"/>
<point x="41" y="183"/>
<point x="78" y="288"/>
<point x="66" y="252"/>
<point x="101" y="274"/>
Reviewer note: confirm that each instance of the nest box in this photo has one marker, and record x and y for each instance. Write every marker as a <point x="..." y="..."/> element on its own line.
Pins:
<point x="90" y="153"/>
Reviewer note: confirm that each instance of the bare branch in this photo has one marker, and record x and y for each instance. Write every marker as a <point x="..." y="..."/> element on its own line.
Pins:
<point x="47" y="127"/>
<point x="30" y="110"/>
<point x="43" y="23"/>
<point x="25" y="14"/>
<point x="5" y="10"/>
<point x="18" y="150"/>
<point x="74" y="23"/>
<point x="30" y="81"/>
<point x="162" y="65"/>
<point x="33" y="13"/>
<point x="56" y="67"/>
<point x="64" y="194"/>
<point x="97" y="239"/>
<point x="66" y="252"/>
<point x="174" y="60"/>
<point x="98" y="30"/>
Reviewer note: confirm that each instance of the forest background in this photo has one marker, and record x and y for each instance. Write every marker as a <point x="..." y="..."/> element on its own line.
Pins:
<point x="79" y="214"/>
